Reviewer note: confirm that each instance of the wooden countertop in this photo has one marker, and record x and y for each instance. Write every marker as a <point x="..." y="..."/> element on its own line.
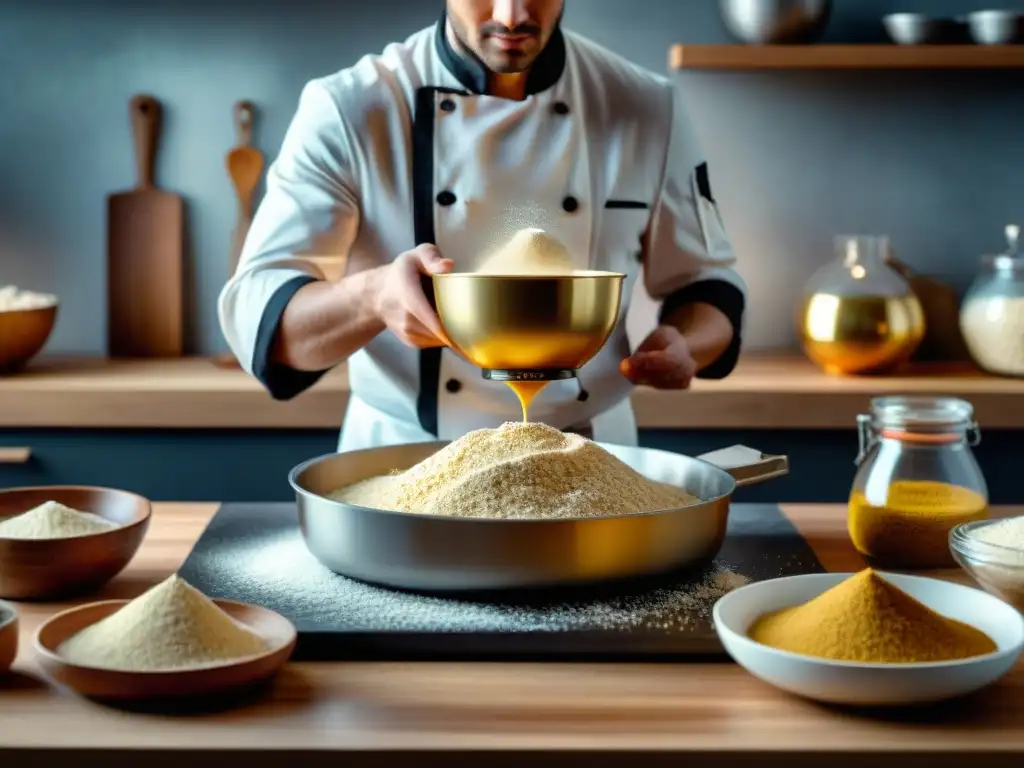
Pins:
<point x="361" y="713"/>
<point x="766" y="391"/>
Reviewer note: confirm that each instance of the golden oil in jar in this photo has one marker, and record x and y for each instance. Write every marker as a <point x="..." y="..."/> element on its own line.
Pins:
<point x="859" y="314"/>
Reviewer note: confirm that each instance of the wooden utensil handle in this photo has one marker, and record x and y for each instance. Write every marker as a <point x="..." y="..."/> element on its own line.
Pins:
<point x="245" y="116"/>
<point x="145" y="113"/>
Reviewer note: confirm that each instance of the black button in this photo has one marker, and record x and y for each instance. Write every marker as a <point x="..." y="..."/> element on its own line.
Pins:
<point x="583" y="396"/>
<point x="446" y="198"/>
<point x="561" y="108"/>
<point x="453" y="385"/>
<point x="570" y="204"/>
<point x="447" y="105"/>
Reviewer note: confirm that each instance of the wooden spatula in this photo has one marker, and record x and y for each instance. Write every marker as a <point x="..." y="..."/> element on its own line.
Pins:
<point x="144" y="253"/>
<point x="245" y="166"/>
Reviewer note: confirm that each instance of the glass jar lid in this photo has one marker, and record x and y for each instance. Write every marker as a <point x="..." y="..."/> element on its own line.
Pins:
<point x="921" y="413"/>
<point x="1010" y="261"/>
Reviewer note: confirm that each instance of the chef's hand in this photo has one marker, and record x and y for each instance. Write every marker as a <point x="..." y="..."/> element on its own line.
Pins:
<point x="663" y="361"/>
<point x="401" y="303"/>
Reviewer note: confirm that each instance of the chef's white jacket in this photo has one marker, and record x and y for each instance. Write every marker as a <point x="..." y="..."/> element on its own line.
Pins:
<point x="405" y="148"/>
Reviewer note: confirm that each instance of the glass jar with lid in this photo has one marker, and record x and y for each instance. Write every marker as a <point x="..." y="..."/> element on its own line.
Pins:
<point x="992" y="313"/>
<point x="859" y="314"/>
<point x="917" y="478"/>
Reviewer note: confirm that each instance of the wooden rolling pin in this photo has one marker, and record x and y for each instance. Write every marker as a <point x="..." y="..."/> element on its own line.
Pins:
<point x="245" y="167"/>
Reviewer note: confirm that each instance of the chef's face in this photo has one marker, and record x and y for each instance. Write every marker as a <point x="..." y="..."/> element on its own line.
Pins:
<point x="506" y="35"/>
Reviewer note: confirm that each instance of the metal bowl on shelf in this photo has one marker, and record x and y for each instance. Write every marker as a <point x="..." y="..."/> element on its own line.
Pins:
<point x="431" y="553"/>
<point x="920" y="29"/>
<point x="991" y="27"/>
<point x="775" y="21"/>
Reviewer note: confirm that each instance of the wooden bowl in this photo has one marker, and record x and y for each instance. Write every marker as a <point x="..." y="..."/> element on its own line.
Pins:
<point x="23" y="333"/>
<point x="41" y="569"/>
<point x="107" y="684"/>
<point x="8" y="636"/>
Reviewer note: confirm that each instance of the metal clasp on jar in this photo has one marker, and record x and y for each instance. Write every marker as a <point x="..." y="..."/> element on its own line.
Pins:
<point x="867" y="438"/>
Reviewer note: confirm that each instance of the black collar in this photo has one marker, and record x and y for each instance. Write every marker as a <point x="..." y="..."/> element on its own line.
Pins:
<point x="472" y="73"/>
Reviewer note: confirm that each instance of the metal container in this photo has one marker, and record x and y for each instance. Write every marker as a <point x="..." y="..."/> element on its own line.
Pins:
<point x="994" y="27"/>
<point x="919" y="29"/>
<point x="775" y="21"/>
<point x="431" y="553"/>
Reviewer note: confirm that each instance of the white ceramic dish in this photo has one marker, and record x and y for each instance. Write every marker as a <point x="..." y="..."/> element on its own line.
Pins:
<point x="861" y="684"/>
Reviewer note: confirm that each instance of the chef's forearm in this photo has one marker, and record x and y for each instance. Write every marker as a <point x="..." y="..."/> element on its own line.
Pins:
<point x="707" y="330"/>
<point x="326" y="322"/>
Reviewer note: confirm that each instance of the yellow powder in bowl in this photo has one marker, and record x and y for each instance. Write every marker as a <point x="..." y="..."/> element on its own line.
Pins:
<point x="518" y="471"/>
<point x="171" y="626"/>
<point x="529" y="252"/>
<point x="868" y="619"/>
<point x="52" y="520"/>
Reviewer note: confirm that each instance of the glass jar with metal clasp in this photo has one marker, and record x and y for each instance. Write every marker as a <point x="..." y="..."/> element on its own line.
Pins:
<point x="917" y="478"/>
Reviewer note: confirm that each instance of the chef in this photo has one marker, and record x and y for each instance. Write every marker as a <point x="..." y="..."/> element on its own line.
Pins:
<point x="423" y="159"/>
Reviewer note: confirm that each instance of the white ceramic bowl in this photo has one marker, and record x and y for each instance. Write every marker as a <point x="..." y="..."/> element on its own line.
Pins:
<point x="863" y="684"/>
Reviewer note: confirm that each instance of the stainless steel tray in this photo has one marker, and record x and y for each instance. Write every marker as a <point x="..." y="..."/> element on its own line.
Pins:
<point x="430" y="553"/>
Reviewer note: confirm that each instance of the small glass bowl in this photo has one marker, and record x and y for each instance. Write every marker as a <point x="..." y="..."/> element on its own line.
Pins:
<point x="999" y="569"/>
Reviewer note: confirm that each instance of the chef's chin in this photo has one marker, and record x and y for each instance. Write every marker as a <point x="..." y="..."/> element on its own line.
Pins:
<point x="503" y="61"/>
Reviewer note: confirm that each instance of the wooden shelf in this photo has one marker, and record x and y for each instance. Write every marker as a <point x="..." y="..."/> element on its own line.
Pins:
<point x="772" y="57"/>
<point x="767" y="391"/>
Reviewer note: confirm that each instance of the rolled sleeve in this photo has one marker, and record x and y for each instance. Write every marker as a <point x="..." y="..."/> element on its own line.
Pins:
<point x="309" y="210"/>
<point x="687" y="256"/>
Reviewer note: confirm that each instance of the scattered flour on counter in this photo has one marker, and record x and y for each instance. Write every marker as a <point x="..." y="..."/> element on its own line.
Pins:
<point x="520" y="470"/>
<point x="12" y="299"/>
<point x="529" y="252"/>
<point x="170" y="626"/>
<point x="52" y="520"/>
<point x="277" y="571"/>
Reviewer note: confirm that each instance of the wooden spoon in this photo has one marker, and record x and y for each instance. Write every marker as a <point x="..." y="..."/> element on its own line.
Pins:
<point x="245" y="166"/>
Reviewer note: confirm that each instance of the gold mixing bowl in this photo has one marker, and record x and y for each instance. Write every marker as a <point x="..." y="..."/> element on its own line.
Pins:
<point x="23" y="332"/>
<point x="528" y="323"/>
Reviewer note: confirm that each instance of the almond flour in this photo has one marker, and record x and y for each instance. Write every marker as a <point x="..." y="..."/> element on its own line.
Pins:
<point x="171" y="626"/>
<point x="518" y="471"/>
<point x="52" y="520"/>
<point x="529" y="252"/>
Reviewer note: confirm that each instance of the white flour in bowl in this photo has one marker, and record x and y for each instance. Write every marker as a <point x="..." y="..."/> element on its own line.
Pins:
<point x="529" y="252"/>
<point x="14" y="300"/>
<point x="1000" y="566"/>
<point x="53" y="520"/>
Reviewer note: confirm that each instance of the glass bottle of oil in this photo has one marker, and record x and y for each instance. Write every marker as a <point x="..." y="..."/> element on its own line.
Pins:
<point x="860" y="315"/>
<point x="917" y="479"/>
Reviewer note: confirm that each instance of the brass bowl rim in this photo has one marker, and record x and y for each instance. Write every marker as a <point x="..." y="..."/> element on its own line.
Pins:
<point x="580" y="274"/>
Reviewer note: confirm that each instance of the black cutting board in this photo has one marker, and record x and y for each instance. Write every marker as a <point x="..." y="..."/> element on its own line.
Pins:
<point x="254" y="553"/>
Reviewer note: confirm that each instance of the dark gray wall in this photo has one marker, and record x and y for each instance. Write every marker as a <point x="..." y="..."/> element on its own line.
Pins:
<point x="933" y="159"/>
